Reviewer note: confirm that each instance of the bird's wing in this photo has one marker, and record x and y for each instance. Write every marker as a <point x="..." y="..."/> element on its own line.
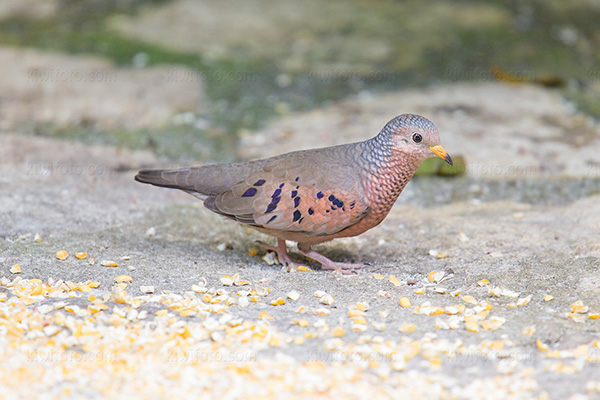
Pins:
<point x="293" y="194"/>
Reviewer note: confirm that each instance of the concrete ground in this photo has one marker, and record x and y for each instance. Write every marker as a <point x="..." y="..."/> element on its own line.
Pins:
<point x="481" y="286"/>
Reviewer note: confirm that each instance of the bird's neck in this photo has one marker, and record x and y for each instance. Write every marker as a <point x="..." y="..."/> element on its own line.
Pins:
<point x="388" y="174"/>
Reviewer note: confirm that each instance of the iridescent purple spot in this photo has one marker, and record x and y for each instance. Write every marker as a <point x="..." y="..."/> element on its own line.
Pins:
<point x="259" y="182"/>
<point x="296" y="201"/>
<point x="297" y="215"/>
<point x="294" y="193"/>
<point x="276" y="193"/>
<point x="271" y="207"/>
<point x="250" y="192"/>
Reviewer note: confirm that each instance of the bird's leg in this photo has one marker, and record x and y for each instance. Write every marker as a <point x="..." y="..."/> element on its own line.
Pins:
<point x="326" y="263"/>
<point x="281" y="251"/>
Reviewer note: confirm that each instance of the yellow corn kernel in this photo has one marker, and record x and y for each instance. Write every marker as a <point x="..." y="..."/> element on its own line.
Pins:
<point x="15" y="269"/>
<point x="541" y="345"/>
<point x="252" y="251"/>
<point x="108" y="263"/>
<point x="81" y="256"/>
<point x="420" y="290"/>
<point x="548" y="297"/>
<point x="278" y="302"/>
<point x="469" y="299"/>
<point x="406" y="327"/>
<point x="378" y="276"/>
<point x="124" y="279"/>
<point x="472" y="325"/>
<point x="404" y="302"/>
<point x="62" y="255"/>
<point x="394" y="281"/>
<point x="483" y="282"/>
<point x="338" y="331"/>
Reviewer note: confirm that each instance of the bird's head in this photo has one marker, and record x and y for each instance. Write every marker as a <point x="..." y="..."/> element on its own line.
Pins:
<point x="416" y="136"/>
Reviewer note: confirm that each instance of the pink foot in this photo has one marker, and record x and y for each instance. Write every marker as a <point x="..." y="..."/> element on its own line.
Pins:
<point x="326" y="263"/>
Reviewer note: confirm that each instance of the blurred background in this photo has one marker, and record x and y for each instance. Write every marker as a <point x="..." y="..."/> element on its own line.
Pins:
<point x="205" y="81"/>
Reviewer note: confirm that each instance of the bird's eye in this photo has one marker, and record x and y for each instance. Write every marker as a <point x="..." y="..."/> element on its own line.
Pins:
<point x="417" y="138"/>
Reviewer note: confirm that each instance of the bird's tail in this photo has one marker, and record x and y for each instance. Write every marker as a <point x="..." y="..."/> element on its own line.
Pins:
<point x="169" y="178"/>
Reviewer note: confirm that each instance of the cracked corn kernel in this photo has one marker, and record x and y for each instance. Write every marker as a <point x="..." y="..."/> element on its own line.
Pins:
<point x="338" y="331"/>
<point x="469" y="299"/>
<point x="327" y="300"/>
<point x="529" y="331"/>
<point x="227" y="280"/>
<point x="252" y="251"/>
<point x="303" y="268"/>
<point x="124" y="279"/>
<point x="266" y="316"/>
<point x="378" y="326"/>
<point x="362" y="306"/>
<point x="472" y="325"/>
<point x="594" y="315"/>
<point x="293" y="295"/>
<point x="278" y="302"/>
<point x="579" y="308"/>
<point x="378" y="276"/>
<point x="436" y="276"/>
<point x="37" y="238"/>
<point x="80" y="256"/>
<point x="147" y="289"/>
<point x="483" y="282"/>
<point x="404" y="302"/>
<point x="420" y="290"/>
<point x="541" y="345"/>
<point x="407" y="328"/>
<point x="15" y="269"/>
<point x="319" y="293"/>
<point x="394" y="281"/>
<point x="300" y="322"/>
<point x="62" y="255"/>
<point x="548" y="297"/>
<point x="108" y="263"/>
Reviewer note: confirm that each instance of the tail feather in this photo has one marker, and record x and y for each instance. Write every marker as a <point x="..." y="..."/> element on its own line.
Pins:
<point x="163" y="178"/>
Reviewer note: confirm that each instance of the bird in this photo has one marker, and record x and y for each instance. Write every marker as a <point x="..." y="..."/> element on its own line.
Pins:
<point x="313" y="196"/>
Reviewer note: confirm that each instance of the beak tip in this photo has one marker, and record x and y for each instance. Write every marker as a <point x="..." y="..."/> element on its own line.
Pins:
<point x="448" y="159"/>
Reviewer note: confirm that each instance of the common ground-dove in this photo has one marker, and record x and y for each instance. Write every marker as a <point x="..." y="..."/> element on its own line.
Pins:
<point x="313" y="196"/>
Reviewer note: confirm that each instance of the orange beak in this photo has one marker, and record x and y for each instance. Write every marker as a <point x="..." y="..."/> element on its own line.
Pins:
<point x="441" y="153"/>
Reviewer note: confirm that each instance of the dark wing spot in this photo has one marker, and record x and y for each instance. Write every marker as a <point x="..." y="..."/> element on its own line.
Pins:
<point x="250" y="192"/>
<point x="319" y="195"/>
<point x="340" y="204"/>
<point x="311" y="211"/>
<point x="259" y="182"/>
<point x="273" y="204"/>
<point x="297" y="215"/>
<point x="297" y="178"/>
<point x="280" y="186"/>
<point x="296" y="201"/>
<point x="331" y="198"/>
<point x="276" y="193"/>
<point x="271" y="219"/>
<point x="294" y="193"/>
